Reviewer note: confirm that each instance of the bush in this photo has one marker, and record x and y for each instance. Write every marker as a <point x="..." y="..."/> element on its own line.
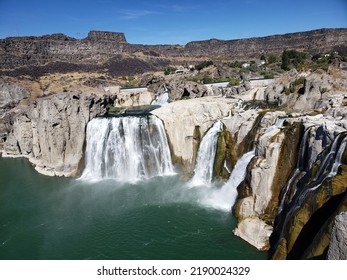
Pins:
<point x="203" y="65"/>
<point x="292" y="59"/>
<point x="234" y="82"/>
<point x="169" y="70"/>
<point x="273" y="59"/>
<point x="235" y="64"/>
<point x="269" y="76"/>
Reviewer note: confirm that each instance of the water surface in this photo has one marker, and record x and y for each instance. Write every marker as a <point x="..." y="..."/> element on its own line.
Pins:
<point x="45" y="217"/>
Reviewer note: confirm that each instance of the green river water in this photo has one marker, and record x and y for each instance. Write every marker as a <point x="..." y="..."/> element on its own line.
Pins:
<point x="44" y="217"/>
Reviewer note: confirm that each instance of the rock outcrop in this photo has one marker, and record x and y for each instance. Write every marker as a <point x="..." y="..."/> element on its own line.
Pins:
<point x="186" y="122"/>
<point x="309" y="91"/>
<point x="51" y="131"/>
<point x="338" y="242"/>
<point x="11" y="94"/>
<point x="179" y="89"/>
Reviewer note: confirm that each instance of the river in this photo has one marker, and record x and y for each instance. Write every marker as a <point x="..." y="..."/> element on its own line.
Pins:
<point x="45" y="217"/>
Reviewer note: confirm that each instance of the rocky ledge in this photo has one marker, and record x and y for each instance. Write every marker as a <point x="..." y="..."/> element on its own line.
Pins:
<point x="50" y="132"/>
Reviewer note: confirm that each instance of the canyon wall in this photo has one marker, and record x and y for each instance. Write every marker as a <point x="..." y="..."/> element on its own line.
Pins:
<point x="110" y="50"/>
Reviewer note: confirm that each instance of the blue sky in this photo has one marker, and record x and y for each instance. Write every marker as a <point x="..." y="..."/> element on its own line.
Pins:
<point x="169" y="22"/>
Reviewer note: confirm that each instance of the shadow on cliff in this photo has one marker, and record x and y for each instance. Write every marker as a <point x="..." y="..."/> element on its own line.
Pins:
<point x="313" y="226"/>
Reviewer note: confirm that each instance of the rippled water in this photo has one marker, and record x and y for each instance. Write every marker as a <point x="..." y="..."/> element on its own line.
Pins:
<point x="63" y="218"/>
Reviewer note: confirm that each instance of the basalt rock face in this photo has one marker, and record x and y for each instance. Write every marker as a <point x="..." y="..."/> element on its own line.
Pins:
<point x="58" y="52"/>
<point x="36" y="51"/>
<point x="312" y="41"/>
<point x="51" y="131"/>
<point x="98" y="52"/>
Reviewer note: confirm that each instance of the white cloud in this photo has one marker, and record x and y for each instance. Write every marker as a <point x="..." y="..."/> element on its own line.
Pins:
<point x="135" y="14"/>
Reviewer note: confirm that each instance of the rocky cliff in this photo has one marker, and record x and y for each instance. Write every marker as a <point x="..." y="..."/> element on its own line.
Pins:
<point x="110" y="50"/>
<point x="295" y="185"/>
<point x="51" y="131"/>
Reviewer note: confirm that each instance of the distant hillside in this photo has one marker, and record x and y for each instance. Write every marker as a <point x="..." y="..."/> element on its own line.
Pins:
<point x="100" y="51"/>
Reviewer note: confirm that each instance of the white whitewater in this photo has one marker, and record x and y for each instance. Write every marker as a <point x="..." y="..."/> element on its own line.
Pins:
<point x="126" y="149"/>
<point x="206" y="154"/>
<point x="224" y="198"/>
<point x="163" y="99"/>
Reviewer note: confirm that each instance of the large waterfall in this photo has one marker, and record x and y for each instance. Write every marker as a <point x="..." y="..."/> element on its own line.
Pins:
<point x="126" y="149"/>
<point x="206" y="154"/>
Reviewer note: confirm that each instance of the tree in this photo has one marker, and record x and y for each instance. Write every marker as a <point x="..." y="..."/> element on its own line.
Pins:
<point x="292" y="58"/>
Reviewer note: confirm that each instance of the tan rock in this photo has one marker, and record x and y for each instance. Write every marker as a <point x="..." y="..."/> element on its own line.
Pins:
<point x="255" y="231"/>
<point x="182" y="119"/>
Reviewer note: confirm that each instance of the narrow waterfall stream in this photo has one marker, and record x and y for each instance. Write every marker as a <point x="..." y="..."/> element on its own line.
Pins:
<point x="204" y="164"/>
<point x="224" y="198"/>
<point x="127" y="149"/>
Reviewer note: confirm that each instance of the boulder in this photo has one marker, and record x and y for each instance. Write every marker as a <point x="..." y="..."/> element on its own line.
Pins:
<point x="181" y="89"/>
<point x="255" y="231"/>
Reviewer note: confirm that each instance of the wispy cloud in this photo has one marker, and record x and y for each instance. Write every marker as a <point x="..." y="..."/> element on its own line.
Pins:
<point x="135" y="14"/>
<point x="179" y="8"/>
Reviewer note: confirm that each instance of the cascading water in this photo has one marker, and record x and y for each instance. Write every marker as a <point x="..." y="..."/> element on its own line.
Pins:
<point x="126" y="149"/>
<point x="297" y="172"/>
<point x="206" y="154"/>
<point x="162" y="100"/>
<point x="224" y="198"/>
<point x="327" y="169"/>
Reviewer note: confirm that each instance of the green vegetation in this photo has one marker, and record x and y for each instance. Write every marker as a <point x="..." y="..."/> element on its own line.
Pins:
<point x="269" y="75"/>
<point x="169" y="70"/>
<point x="235" y="64"/>
<point x="292" y="59"/>
<point x="130" y="82"/>
<point x="234" y="82"/>
<point x="273" y="59"/>
<point x="295" y="87"/>
<point x="322" y="62"/>
<point x="203" y="65"/>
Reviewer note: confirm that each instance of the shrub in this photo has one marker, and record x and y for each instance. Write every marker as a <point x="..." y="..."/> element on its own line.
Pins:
<point x="169" y="70"/>
<point x="269" y="76"/>
<point x="203" y="65"/>
<point x="235" y="64"/>
<point x="292" y="59"/>
<point x="273" y="59"/>
<point x="234" y="82"/>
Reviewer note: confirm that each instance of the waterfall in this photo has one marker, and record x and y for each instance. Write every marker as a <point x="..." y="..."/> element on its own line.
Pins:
<point x="162" y="100"/>
<point x="300" y="166"/>
<point x="327" y="169"/>
<point x="206" y="155"/>
<point x="224" y="198"/>
<point x="126" y="149"/>
<point x="280" y="122"/>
